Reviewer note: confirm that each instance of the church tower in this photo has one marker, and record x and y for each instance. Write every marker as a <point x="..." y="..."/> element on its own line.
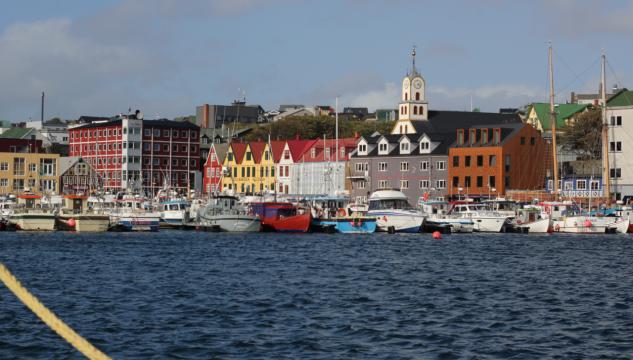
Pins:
<point x="413" y="105"/>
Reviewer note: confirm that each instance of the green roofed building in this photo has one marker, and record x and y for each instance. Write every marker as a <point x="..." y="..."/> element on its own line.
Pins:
<point x="538" y="115"/>
<point x="17" y="133"/>
<point x="620" y="120"/>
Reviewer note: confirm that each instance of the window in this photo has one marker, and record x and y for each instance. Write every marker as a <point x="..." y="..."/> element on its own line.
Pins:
<point x="615" y="173"/>
<point x="32" y="167"/>
<point x="404" y="166"/>
<point x="484" y="136"/>
<point x="455" y="161"/>
<point x="595" y="185"/>
<point x="424" y="165"/>
<point x="327" y="153"/>
<point x="532" y="140"/>
<point x="146" y="146"/>
<point x="460" y="137"/>
<point x="4" y="166"/>
<point x="424" y="184"/>
<point x="362" y="148"/>
<point x="341" y="152"/>
<point x="491" y="181"/>
<point x="249" y="156"/>
<point x="147" y="132"/>
<point x="18" y="166"/>
<point x="362" y="184"/>
<point x="313" y="152"/>
<point x="4" y="182"/>
<point x="183" y="134"/>
<point x="467" y="161"/>
<point x="382" y="147"/>
<point x="404" y="147"/>
<point x="382" y="166"/>
<point x="581" y="184"/>
<point x="480" y="181"/>
<point x="383" y="184"/>
<point x="165" y="133"/>
<point x="440" y="165"/>
<point x="165" y="147"/>
<point x="616" y="120"/>
<point x="496" y="138"/>
<point x="287" y="154"/>
<point x="404" y="184"/>
<point x="507" y="163"/>
<point x="507" y="181"/>
<point x="440" y="184"/>
<point x="522" y="140"/>
<point x="615" y="146"/>
<point x="480" y="160"/>
<point x="467" y="181"/>
<point x="424" y="146"/>
<point x="492" y="160"/>
<point x="455" y="181"/>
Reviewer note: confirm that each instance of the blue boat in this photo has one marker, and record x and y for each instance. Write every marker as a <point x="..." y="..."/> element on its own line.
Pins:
<point x="348" y="225"/>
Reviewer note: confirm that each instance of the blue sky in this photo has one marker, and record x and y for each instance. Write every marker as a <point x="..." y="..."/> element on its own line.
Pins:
<point x="167" y="56"/>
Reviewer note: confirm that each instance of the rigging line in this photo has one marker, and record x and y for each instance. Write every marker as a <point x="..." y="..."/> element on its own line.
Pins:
<point x="627" y="95"/>
<point x="566" y="87"/>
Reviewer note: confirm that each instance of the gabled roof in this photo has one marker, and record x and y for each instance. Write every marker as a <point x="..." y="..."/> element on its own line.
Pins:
<point x="623" y="97"/>
<point x="319" y="147"/>
<point x="277" y="148"/>
<point x="239" y="149"/>
<point x="220" y="152"/>
<point x="563" y="112"/>
<point x="298" y="147"/>
<point x="257" y="149"/>
<point x="507" y="132"/>
<point x="66" y="163"/>
<point x="16" y="133"/>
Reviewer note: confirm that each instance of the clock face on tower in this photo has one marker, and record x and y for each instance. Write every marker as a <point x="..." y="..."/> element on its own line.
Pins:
<point x="406" y="83"/>
<point x="417" y="83"/>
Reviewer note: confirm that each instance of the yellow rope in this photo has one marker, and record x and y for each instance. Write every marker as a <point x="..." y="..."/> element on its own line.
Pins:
<point x="48" y="317"/>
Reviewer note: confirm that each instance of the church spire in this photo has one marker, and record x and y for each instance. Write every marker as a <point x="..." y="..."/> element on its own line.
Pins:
<point x="413" y="69"/>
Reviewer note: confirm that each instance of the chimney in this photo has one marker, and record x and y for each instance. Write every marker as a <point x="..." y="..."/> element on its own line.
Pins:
<point x="356" y="135"/>
<point x="297" y="137"/>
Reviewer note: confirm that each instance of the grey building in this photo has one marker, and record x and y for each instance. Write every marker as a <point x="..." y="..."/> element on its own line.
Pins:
<point x="210" y="116"/>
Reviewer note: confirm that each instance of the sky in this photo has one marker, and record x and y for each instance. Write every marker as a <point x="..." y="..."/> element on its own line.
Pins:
<point x="165" y="57"/>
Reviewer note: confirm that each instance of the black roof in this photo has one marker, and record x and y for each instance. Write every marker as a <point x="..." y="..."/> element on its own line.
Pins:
<point x="162" y="123"/>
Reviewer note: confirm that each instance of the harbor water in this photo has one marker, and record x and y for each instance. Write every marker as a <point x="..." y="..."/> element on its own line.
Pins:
<point x="191" y="295"/>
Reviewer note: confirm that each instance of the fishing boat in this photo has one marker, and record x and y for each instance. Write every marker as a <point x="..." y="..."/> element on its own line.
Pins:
<point x="174" y="212"/>
<point x="75" y="215"/>
<point x="393" y="212"/>
<point x="484" y="219"/>
<point x="225" y="213"/>
<point x="131" y="214"/>
<point x="530" y="217"/>
<point x="336" y="214"/>
<point x="437" y="211"/>
<point x="282" y="216"/>
<point x="30" y="215"/>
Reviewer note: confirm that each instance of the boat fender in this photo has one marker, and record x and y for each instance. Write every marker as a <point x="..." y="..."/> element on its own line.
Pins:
<point x="437" y="235"/>
<point x="71" y="222"/>
<point x="341" y="212"/>
<point x="557" y="227"/>
<point x="588" y="223"/>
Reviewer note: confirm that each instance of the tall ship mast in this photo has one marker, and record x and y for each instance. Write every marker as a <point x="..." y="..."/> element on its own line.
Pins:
<point x="606" y="176"/>
<point x="552" y="111"/>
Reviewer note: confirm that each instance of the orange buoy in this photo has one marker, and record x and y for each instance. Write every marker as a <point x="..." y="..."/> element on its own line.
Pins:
<point x="71" y="222"/>
<point x="437" y="235"/>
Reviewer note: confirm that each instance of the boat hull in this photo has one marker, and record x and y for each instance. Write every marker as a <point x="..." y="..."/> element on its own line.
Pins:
<point x="401" y="222"/>
<point x="296" y="223"/>
<point x="233" y="223"/>
<point x="348" y="225"/>
<point x="541" y="226"/>
<point x="136" y="223"/>
<point x="85" y="222"/>
<point x="488" y="224"/>
<point x="33" y="222"/>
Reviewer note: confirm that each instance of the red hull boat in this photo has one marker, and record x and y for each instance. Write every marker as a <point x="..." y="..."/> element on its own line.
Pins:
<point x="282" y="217"/>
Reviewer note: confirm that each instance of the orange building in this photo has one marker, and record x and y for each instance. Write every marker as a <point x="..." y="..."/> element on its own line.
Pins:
<point x="487" y="161"/>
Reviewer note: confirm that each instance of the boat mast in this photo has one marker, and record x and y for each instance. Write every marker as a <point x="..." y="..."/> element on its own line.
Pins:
<point x="552" y="111"/>
<point x="336" y="144"/>
<point x="605" y="133"/>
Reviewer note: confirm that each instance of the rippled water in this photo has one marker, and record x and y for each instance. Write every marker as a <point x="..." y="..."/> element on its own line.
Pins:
<point x="194" y="295"/>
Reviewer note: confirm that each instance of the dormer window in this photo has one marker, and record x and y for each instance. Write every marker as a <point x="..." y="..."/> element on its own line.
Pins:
<point x="484" y="136"/>
<point x="404" y="147"/>
<point x="496" y="137"/>
<point x="460" y="137"/>
<point x="383" y="148"/>
<point x="472" y="138"/>
<point x="362" y="148"/>
<point x="425" y="146"/>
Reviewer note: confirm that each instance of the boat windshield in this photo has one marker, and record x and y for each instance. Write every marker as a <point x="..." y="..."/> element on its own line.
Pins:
<point x="389" y="204"/>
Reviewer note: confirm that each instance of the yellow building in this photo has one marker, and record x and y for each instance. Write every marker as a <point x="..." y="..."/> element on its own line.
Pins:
<point x="251" y="168"/>
<point x="34" y="172"/>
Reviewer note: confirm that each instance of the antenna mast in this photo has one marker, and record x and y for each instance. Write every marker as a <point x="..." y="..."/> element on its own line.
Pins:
<point x="552" y="111"/>
<point x="606" y="178"/>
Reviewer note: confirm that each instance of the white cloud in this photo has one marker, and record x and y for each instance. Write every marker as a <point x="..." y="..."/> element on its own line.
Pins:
<point x="387" y="97"/>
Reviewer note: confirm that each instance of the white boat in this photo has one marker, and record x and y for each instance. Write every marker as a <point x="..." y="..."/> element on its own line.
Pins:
<point x="174" y="212"/>
<point x="532" y="218"/>
<point x="393" y="212"/>
<point x="227" y="214"/>
<point x="484" y="220"/>
<point x="131" y="214"/>
<point x="437" y="212"/>
<point x="30" y="215"/>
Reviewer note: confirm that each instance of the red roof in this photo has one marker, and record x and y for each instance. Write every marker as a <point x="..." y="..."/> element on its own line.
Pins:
<point x="298" y="147"/>
<point x="277" y="147"/>
<point x="239" y="149"/>
<point x="257" y="148"/>
<point x="319" y="147"/>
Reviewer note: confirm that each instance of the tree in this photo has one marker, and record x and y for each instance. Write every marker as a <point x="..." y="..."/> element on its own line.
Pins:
<point x="314" y="127"/>
<point x="584" y="135"/>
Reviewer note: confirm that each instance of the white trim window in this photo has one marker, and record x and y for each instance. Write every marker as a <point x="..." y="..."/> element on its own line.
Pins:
<point x="404" y="166"/>
<point x="383" y="148"/>
<point x="424" y="165"/>
<point x="362" y="184"/>
<point x="440" y="184"/>
<point x="581" y="184"/>
<point x="404" y="184"/>
<point x="382" y="166"/>
<point x="362" y="149"/>
<point x="404" y="147"/>
<point x="424" y="184"/>
<point x="425" y="147"/>
<point x="440" y="165"/>
<point x="383" y="184"/>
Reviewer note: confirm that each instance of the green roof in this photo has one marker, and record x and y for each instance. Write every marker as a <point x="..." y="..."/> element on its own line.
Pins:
<point x="15" y="133"/>
<point x="563" y="112"/>
<point x="623" y="97"/>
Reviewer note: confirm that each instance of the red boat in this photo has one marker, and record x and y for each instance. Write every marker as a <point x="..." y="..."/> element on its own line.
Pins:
<point x="282" y="217"/>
